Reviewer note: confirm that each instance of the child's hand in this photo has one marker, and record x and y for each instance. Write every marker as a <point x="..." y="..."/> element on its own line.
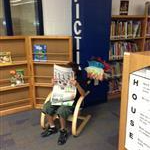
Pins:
<point x="53" y="81"/>
<point x="73" y="82"/>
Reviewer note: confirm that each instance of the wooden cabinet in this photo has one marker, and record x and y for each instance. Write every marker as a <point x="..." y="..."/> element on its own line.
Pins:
<point x="19" y="97"/>
<point x="132" y="63"/>
<point x="128" y="34"/>
<point x="58" y="51"/>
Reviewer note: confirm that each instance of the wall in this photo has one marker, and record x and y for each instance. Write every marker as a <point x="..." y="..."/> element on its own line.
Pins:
<point x="57" y="17"/>
<point x="136" y="7"/>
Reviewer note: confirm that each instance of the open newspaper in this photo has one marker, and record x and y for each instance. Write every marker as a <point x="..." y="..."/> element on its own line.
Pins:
<point x="63" y="92"/>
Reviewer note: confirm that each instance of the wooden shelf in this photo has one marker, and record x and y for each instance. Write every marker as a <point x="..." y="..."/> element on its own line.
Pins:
<point x="15" y="63"/>
<point x="113" y="96"/>
<point x="49" y="62"/>
<point x="52" y="54"/>
<point x="6" y="88"/>
<point x="133" y="17"/>
<point x="15" y="102"/>
<point x="43" y="84"/>
<point x="126" y="39"/>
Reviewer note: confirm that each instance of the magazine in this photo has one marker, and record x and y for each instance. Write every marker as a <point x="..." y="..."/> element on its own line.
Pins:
<point x="63" y="92"/>
<point x="5" y="58"/>
<point x="39" y="52"/>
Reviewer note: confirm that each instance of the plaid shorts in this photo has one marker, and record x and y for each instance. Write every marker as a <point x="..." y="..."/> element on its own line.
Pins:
<point x="63" y="111"/>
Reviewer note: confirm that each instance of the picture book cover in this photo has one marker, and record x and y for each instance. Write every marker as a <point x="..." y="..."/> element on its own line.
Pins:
<point x="63" y="92"/>
<point x="17" y="77"/>
<point x="124" y="6"/>
<point x="5" y="58"/>
<point x="39" y="52"/>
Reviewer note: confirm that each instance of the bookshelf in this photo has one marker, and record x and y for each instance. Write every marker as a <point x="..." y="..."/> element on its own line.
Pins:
<point x="128" y="34"/>
<point x="58" y="51"/>
<point x="132" y="63"/>
<point x="15" y="98"/>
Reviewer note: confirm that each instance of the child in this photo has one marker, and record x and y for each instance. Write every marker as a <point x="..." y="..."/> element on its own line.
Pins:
<point x="62" y="111"/>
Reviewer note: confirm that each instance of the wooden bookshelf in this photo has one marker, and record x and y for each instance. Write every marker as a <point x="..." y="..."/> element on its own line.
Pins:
<point x="19" y="97"/>
<point x="121" y="42"/>
<point x="132" y="63"/>
<point x="59" y="51"/>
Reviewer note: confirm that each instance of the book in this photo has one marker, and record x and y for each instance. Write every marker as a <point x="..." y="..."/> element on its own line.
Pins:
<point x="124" y="5"/>
<point x="147" y="8"/>
<point x="63" y="92"/>
<point x="39" y="52"/>
<point x="5" y="58"/>
<point x="17" y="77"/>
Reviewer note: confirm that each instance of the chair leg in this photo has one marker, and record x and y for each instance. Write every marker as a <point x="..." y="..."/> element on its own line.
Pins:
<point x="77" y="130"/>
<point x="43" y="119"/>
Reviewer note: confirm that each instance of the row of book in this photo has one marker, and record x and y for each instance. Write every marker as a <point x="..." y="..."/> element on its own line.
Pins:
<point x="116" y="69"/>
<point x="115" y="85"/>
<point x="117" y="49"/>
<point x="125" y="29"/>
<point x="147" y="45"/>
<point x="148" y="29"/>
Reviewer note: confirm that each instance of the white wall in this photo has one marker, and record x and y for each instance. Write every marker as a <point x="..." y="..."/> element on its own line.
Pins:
<point x="136" y="7"/>
<point x="57" y="17"/>
<point x="57" y="14"/>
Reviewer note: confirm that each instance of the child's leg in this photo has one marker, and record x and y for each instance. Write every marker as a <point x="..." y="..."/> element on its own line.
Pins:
<point x="63" y="112"/>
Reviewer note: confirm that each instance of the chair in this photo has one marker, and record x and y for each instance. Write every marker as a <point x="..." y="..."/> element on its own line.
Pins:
<point x="76" y="130"/>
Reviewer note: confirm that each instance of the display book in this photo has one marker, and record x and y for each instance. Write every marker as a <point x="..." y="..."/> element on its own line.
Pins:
<point x="5" y="58"/>
<point x="138" y="112"/>
<point x="17" y="77"/>
<point x="40" y="52"/>
<point x="124" y="6"/>
<point x="63" y="92"/>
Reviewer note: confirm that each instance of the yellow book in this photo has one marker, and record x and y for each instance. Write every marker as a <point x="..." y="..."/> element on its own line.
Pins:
<point x="5" y="58"/>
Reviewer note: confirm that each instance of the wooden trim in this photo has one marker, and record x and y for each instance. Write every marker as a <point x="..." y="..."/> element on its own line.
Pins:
<point x="15" y="102"/>
<point x="6" y="88"/>
<point x="132" y="62"/>
<point x="15" y="110"/>
<point x="128" y="17"/>
<point x="50" y="62"/>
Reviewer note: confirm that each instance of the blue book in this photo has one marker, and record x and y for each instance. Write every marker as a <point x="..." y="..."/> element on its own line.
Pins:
<point x="39" y="52"/>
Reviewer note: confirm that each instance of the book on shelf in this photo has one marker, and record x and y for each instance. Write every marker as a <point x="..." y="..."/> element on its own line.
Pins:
<point x="125" y="29"/>
<point x="117" y="49"/>
<point x="147" y="45"/>
<point x="147" y="8"/>
<point x="40" y="52"/>
<point x="17" y="77"/>
<point x="124" y="6"/>
<point x="5" y="58"/>
<point x="148" y="29"/>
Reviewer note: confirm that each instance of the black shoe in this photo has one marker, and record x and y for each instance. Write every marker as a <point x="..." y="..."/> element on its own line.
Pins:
<point x="49" y="131"/>
<point x="62" y="137"/>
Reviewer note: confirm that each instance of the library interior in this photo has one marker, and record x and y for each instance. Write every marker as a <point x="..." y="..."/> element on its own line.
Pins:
<point x="74" y="74"/>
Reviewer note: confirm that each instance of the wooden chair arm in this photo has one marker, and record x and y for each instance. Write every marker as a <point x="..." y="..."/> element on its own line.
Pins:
<point x="48" y="97"/>
<point x="76" y="111"/>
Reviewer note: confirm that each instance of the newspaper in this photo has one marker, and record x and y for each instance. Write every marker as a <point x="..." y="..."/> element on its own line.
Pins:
<point x="63" y="92"/>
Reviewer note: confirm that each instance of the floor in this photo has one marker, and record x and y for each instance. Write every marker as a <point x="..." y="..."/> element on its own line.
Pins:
<point x="21" y="131"/>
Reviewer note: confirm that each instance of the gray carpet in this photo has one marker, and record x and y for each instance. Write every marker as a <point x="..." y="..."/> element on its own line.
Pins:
<point x="21" y="131"/>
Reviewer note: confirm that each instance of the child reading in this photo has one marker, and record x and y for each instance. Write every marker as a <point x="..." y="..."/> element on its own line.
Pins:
<point x="62" y="111"/>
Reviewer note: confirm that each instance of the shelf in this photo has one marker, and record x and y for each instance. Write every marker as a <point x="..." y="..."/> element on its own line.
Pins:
<point x="50" y="37"/>
<point x="15" y="63"/>
<point x="6" y="88"/>
<point x="126" y="39"/>
<point x="43" y="84"/>
<point x="15" y="102"/>
<point x="135" y="17"/>
<point x="51" y="54"/>
<point x="50" y="62"/>
<point x="112" y="96"/>
<point x="48" y="77"/>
